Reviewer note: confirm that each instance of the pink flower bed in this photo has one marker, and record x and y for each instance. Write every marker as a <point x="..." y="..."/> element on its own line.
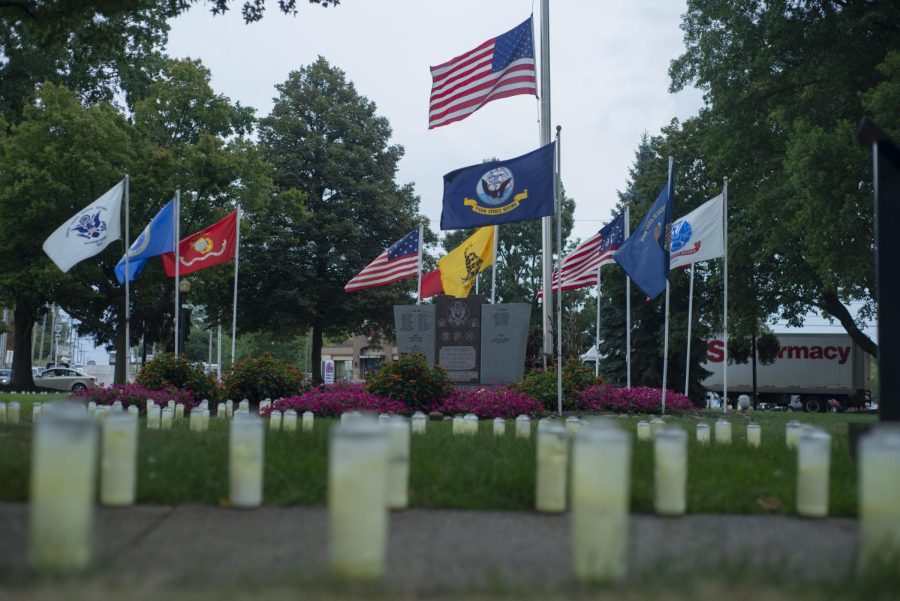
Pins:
<point x="335" y="399"/>
<point x="488" y="403"/>
<point x="639" y="399"/>
<point x="135" y="394"/>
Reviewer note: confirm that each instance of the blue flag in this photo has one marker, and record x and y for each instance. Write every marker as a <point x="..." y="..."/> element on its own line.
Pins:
<point x="645" y="254"/>
<point x="500" y="191"/>
<point x="157" y="238"/>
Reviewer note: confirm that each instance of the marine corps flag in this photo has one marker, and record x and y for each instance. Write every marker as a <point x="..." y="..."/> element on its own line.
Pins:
<point x="500" y="191"/>
<point x="212" y="246"/>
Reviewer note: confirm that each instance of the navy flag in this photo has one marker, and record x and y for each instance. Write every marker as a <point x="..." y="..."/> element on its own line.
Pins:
<point x="645" y="254"/>
<point x="499" y="192"/>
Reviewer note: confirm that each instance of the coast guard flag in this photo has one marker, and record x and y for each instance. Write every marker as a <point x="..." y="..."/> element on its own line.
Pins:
<point x="498" y="68"/>
<point x="699" y="235"/>
<point x="157" y="238"/>
<point x="499" y="192"/>
<point x="580" y="266"/>
<point x="398" y="262"/>
<point x="89" y="231"/>
<point x="644" y="255"/>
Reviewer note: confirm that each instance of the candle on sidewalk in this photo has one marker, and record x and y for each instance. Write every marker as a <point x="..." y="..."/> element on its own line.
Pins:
<point x="670" y="471"/>
<point x="552" y="468"/>
<point x="813" y="467"/>
<point x="246" y="460"/>
<point x="499" y="426"/>
<point x="523" y="426"/>
<point x="419" y="422"/>
<point x="398" y="462"/>
<point x="879" y="500"/>
<point x="63" y="488"/>
<point x="723" y="431"/>
<point x="601" y="464"/>
<point x="754" y="435"/>
<point x="357" y="494"/>
<point x="118" y="463"/>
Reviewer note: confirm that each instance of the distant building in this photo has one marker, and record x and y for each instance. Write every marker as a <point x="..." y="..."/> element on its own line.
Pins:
<point x="358" y="356"/>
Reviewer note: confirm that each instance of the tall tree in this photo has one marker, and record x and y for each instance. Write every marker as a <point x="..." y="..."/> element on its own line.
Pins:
<point x="337" y="206"/>
<point x="785" y="83"/>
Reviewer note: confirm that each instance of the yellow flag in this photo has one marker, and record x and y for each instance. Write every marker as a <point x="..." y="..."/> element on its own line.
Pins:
<point x="460" y="266"/>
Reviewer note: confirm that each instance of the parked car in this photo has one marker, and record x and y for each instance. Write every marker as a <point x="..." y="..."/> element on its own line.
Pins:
<point x="4" y="376"/>
<point x="64" y="378"/>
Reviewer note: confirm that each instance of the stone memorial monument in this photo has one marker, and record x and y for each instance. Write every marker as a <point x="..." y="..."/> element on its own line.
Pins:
<point x="504" y="337"/>
<point x="415" y="330"/>
<point x="458" y="332"/>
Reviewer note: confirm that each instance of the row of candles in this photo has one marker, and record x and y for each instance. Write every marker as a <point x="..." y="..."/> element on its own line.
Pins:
<point x="369" y="459"/>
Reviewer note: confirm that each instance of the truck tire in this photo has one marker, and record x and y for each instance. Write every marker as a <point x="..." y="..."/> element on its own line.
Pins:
<point x="813" y="404"/>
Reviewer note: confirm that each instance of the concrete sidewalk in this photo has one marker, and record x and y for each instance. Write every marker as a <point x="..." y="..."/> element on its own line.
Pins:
<point x="432" y="551"/>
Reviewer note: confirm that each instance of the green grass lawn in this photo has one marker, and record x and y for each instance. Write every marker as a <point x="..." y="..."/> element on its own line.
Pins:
<point x="480" y="472"/>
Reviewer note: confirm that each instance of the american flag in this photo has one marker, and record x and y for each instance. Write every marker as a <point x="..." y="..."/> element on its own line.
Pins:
<point x="580" y="266"/>
<point x="398" y="262"/>
<point x="501" y="67"/>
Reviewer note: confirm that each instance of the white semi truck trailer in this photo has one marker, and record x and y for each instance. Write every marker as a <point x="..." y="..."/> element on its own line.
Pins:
<point x="811" y="368"/>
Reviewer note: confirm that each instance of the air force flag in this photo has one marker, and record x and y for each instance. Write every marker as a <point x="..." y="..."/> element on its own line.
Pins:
<point x="500" y="191"/>
<point x="88" y="232"/>
<point x="157" y="238"/>
<point x="645" y="254"/>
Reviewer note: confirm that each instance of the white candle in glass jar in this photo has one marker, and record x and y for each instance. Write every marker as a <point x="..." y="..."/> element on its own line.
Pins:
<point x="754" y="435"/>
<point x="309" y="420"/>
<point x="703" y="433"/>
<point x="166" y="418"/>
<point x="117" y="405"/>
<point x="723" y="431"/>
<point x="149" y="403"/>
<point x="36" y="410"/>
<point x="643" y="430"/>
<point x="499" y="426"/>
<point x="357" y="495"/>
<point x="246" y="460"/>
<point x="552" y="468"/>
<point x="13" y="411"/>
<point x="670" y="471"/>
<point x="92" y="408"/>
<point x="221" y="412"/>
<point x="275" y="420"/>
<point x="196" y="420"/>
<point x="205" y="419"/>
<point x="154" y="417"/>
<point x="458" y="425"/>
<point x="792" y="432"/>
<point x="523" y="427"/>
<point x="813" y="467"/>
<point x="171" y="404"/>
<point x="471" y="424"/>
<point x="601" y="464"/>
<point x="419" y="422"/>
<point x="244" y="405"/>
<point x="655" y="425"/>
<point x="63" y="489"/>
<point x="398" y="462"/>
<point x="229" y="408"/>
<point x="179" y="411"/>
<point x="118" y="459"/>
<point x="573" y="424"/>
<point x="879" y="500"/>
<point x="289" y="420"/>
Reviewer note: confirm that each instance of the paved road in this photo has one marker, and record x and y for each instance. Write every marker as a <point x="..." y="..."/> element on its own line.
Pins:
<point x="431" y="551"/>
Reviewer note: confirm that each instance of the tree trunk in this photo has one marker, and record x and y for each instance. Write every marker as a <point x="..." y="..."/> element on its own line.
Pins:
<point x="833" y="305"/>
<point x="122" y="349"/>
<point x="317" y="352"/>
<point x="23" y="323"/>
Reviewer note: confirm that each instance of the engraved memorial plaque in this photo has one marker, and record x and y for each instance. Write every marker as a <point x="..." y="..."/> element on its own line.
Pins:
<point x="415" y="330"/>
<point x="458" y="343"/>
<point x="504" y="338"/>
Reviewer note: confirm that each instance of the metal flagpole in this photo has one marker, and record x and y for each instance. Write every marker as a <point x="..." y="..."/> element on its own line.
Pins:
<point x="237" y="258"/>
<point x="559" y="271"/>
<point x="546" y="222"/>
<point x="419" y="264"/>
<point x="666" y="335"/>
<point x="177" y="261"/>
<point x="477" y="278"/>
<point x="43" y="327"/>
<point x="50" y="351"/>
<point x="725" y="308"/>
<point x="209" y="365"/>
<point x="597" y="335"/>
<point x="127" y="278"/>
<point x="219" y="351"/>
<point x="494" y="266"/>
<point x="628" y="305"/>
<point x="687" y="366"/>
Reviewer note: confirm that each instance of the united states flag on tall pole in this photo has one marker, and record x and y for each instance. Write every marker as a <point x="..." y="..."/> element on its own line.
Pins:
<point x="498" y="68"/>
<point x="398" y="262"/>
<point x="580" y="266"/>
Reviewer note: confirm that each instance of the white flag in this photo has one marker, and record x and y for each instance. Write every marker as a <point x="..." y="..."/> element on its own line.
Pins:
<point x="88" y="232"/>
<point x="699" y="235"/>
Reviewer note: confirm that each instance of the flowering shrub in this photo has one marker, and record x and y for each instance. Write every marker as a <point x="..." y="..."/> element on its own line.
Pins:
<point x="135" y="394"/>
<point x="635" y="400"/>
<point x="333" y="400"/>
<point x="258" y="378"/>
<point x="541" y="385"/>
<point x="488" y="403"/>
<point x="168" y="370"/>
<point x="409" y="379"/>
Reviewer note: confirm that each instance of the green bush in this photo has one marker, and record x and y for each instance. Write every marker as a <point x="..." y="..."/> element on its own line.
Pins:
<point x="541" y="385"/>
<point x="168" y="370"/>
<point x="258" y="378"/>
<point x="409" y="379"/>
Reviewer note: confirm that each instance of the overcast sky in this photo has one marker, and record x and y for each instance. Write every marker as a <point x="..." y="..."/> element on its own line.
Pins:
<point x="609" y="64"/>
